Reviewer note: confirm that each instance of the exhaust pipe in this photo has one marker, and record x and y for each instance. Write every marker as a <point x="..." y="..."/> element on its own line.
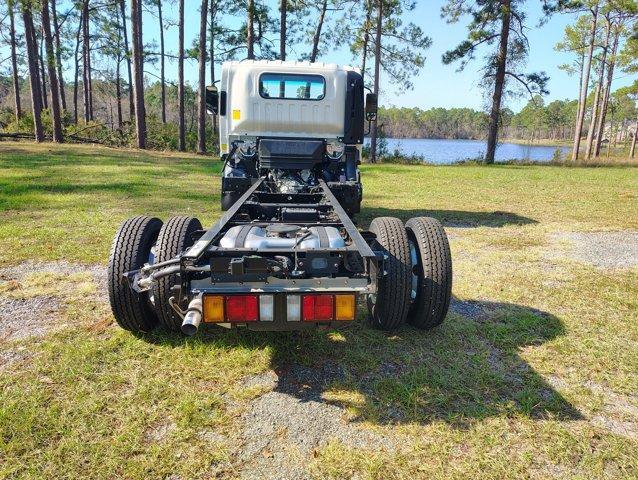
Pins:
<point x="193" y="316"/>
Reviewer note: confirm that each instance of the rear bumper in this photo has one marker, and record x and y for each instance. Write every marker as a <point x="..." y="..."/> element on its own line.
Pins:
<point x="280" y="325"/>
<point x="278" y="285"/>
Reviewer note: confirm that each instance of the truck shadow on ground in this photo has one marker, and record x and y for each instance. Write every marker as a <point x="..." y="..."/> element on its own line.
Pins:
<point x="468" y="369"/>
<point x="449" y="218"/>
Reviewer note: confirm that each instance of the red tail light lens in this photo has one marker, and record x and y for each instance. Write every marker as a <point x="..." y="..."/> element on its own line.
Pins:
<point x="317" y="308"/>
<point x="242" y="308"/>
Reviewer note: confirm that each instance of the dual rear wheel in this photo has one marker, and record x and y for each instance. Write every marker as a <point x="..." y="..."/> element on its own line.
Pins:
<point x="416" y="285"/>
<point x="142" y="240"/>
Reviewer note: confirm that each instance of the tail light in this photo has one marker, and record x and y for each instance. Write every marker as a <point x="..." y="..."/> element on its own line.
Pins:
<point x="317" y="308"/>
<point x="213" y="306"/>
<point x="232" y="308"/>
<point x="345" y="307"/>
<point x="242" y="308"/>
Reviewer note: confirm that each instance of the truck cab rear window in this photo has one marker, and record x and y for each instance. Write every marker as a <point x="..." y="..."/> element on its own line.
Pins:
<point x="292" y="87"/>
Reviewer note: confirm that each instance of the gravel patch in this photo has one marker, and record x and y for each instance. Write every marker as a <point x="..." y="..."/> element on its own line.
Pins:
<point x="11" y="357"/>
<point x="19" y="272"/>
<point x="31" y="317"/>
<point x="36" y="316"/>
<point x="267" y="380"/>
<point x="283" y="427"/>
<point x="472" y="309"/>
<point x="604" y="250"/>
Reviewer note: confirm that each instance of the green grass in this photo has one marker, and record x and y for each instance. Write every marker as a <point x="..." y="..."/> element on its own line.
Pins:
<point x="512" y="391"/>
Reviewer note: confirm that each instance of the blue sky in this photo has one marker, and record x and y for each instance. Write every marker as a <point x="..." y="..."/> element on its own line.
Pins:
<point x="436" y="85"/>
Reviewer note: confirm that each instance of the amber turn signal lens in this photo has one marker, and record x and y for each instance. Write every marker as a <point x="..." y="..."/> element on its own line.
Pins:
<point x="344" y="307"/>
<point x="213" y="308"/>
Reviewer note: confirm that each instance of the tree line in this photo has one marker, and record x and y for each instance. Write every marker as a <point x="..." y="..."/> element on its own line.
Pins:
<point x="602" y="40"/>
<point x="79" y="68"/>
<point x="82" y="64"/>
<point x="537" y="121"/>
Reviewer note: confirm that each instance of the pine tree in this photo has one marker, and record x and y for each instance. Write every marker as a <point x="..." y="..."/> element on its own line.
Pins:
<point x="500" y="23"/>
<point x="34" y="78"/>
<point x="201" y="105"/>
<point x="52" y="69"/>
<point x="138" y="72"/>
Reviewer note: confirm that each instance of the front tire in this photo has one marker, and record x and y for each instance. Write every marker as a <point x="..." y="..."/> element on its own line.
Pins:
<point x="174" y="238"/>
<point x="130" y="250"/>
<point x="432" y="281"/>
<point x="389" y="307"/>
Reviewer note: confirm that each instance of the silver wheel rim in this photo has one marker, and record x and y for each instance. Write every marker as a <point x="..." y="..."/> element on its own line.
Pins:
<point x="415" y="278"/>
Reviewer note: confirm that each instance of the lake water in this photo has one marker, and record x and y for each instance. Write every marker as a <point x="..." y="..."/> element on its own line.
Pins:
<point x="450" y="151"/>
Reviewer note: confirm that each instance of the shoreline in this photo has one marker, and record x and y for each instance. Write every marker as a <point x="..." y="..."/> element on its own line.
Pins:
<point x="514" y="141"/>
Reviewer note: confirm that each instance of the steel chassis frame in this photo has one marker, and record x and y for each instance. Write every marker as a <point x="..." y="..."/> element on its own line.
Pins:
<point x="195" y="264"/>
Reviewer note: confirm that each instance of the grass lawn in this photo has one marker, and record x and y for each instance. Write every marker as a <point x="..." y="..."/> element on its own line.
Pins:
<point x="534" y="374"/>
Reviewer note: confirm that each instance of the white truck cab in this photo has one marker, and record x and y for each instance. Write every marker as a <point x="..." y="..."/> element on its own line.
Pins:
<point x="291" y="100"/>
<point x="293" y="122"/>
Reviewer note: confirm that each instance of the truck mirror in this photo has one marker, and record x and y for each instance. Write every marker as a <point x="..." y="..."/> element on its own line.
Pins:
<point x="212" y="100"/>
<point x="371" y="107"/>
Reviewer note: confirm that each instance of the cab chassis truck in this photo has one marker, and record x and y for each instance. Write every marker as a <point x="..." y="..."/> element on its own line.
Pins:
<point x="286" y="254"/>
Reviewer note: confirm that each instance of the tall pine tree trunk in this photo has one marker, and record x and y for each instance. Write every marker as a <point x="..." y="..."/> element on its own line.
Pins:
<point x="77" y="70"/>
<point x="138" y="72"/>
<point x="317" y="36"/>
<point x="51" y="67"/>
<point x="582" y="101"/>
<point x="283" y="11"/>
<point x="34" y="79"/>
<point x="36" y="59"/>
<point x="58" y="53"/>
<point x="162" y="79"/>
<point x="599" y="87"/>
<point x="180" y="80"/>
<point x="201" y="100"/>
<point x="89" y="67"/>
<point x="131" y="103"/>
<point x="76" y="73"/>
<point x="118" y="93"/>
<point x="580" y="78"/>
<point x="633" y="141"/>
<point x="499" y="83"/>
<point x="43" y="77"/>
<point x="14" y="62"/>
<point x="603" y="109"/>
<point x="118" y="64"/>
<point x="250" y="31"/>
<point x="594" y="117"/>
<point x="85" y="61"/>
<point x="211" y="51"/>
<point x="366" y="38"/>
<point x="377" y="73"/>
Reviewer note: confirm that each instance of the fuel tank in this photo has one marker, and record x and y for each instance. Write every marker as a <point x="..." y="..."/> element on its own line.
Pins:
<point x="285" y="236"/>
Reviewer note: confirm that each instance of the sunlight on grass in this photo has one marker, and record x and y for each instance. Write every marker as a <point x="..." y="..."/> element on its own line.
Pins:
<point x="537" y="347"/>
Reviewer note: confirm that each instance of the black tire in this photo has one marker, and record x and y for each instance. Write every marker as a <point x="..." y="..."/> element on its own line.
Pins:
<point x="130" y="251"/>
<point x="174" y="238"/>
<point x="389" y="309"/>
<point x="434" y="272"/>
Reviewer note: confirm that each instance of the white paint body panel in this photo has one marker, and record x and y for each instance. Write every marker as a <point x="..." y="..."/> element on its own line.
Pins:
<point x="249" y="115"/>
